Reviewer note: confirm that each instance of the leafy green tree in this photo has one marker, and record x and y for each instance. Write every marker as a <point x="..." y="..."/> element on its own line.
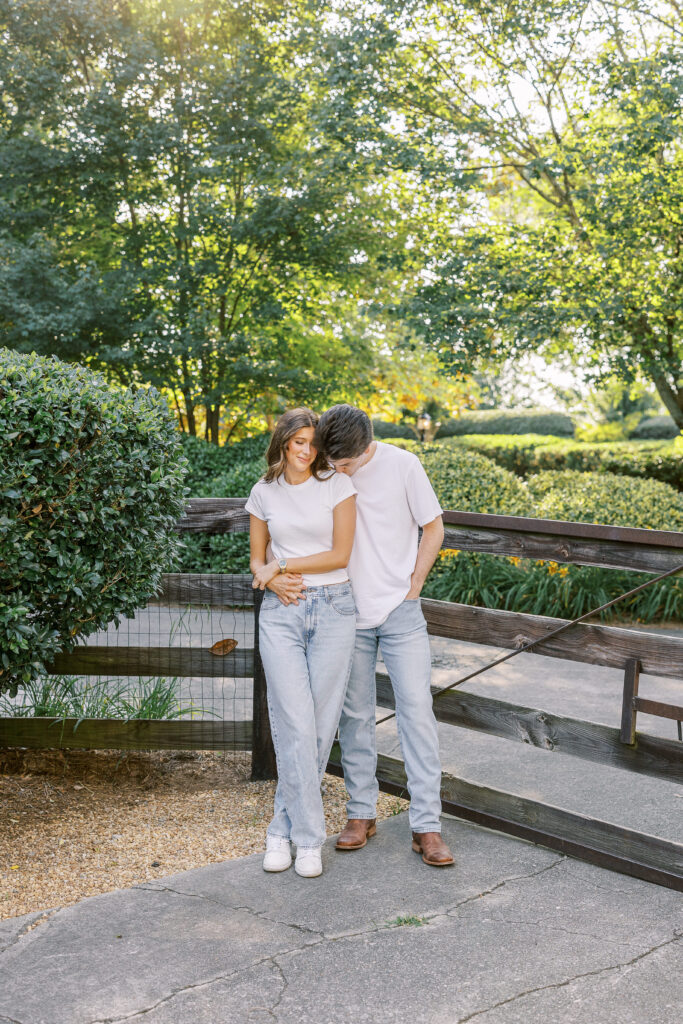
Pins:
<point x="177" y="204"/>
<point x="570" y="112"/>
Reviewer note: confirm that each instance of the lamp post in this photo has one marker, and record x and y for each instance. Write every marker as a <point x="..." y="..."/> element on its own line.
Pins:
<point x="424" y="421"/>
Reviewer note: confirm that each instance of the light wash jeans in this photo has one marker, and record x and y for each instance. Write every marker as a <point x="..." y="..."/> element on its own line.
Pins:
<point x="306" y="651"/>
<point x="402" y="639"/>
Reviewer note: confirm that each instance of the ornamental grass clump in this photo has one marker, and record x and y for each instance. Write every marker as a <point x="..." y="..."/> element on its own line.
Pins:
<point x="92" y="486"/>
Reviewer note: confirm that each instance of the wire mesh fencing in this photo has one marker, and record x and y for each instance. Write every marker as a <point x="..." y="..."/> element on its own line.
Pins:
<point x="187" y="657"/>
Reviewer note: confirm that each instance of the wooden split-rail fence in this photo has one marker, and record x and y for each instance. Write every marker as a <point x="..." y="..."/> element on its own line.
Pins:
<point x="634" y="652"/>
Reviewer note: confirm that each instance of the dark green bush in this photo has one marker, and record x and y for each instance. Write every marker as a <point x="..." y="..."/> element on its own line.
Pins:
<point x="92" y="486"/>
<point x="209" y="462"/>
<point x="383" y="430"/>
<point x="217" y="552"/>
<point x="655" y="427"/>
<point x="227" y="472"/>
<point x="606" y="498"/>
<point x="509" y="421"/>
<point x="470" y="482"/>
<point x="531" y="453"/>
<point x="514" y="452"/>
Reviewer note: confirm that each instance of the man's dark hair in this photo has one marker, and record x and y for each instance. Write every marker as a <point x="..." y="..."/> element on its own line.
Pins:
<point x="343" y="432"/>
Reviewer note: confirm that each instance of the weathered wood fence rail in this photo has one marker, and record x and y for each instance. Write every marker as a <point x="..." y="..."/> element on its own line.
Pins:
<point x="601" y="842"/>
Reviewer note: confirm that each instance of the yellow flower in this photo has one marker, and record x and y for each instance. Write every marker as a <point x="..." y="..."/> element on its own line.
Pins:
<point x="514" y="559"/>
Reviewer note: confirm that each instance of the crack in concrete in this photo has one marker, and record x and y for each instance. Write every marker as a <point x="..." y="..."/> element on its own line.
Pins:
<point x="321" y="938"/>
<point x="285" y="986"/>
<point x="28" y="928"/>
<point x="272" y="959"/>
<point x="229" y="906"/>
<point x="577" y="977"/>
<point x="198" y="985"/>
<point x="551" y="926"/>
<point x="506" y="881"/>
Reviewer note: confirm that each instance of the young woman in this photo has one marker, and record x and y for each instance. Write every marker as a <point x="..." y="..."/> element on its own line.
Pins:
<point x="307" y="515"/>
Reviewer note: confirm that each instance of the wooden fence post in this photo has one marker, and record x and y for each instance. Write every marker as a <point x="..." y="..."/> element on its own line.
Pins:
<point x="628" y="711"/>
<point x="263" y="764"/>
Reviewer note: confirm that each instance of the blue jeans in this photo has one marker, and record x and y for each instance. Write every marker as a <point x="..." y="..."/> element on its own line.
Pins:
<point x="402" y="639"/>
<point x="306" y="651"/>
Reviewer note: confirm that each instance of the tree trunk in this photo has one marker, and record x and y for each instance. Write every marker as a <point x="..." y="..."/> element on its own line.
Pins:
<point x="189" y="412"/>
<point x="672" y="397"/>
<point x="181" y="417"/>
<point x="212" y="423"/>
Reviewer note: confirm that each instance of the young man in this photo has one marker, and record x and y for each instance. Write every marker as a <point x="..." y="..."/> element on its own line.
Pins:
<point x="387" y="571"/>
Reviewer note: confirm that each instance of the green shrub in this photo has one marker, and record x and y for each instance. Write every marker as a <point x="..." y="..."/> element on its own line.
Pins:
<point x="228" y="472"/>
<point x="383" y="430"/>
<point x="509" y="421"/>
<point x="604" y="433"/>
<point x="215" y="552"/>
<point x="547" y="588"/>
<point x="654" y="427"/>
<point x="514" y="452"/>
<point x="92" y="487"/>
<point x="209" y="463"/>
<point x="235" y="483"/>
<point x="531" y="453"/>
<point x="470" y="482"/>
<point x="606" y="498"/>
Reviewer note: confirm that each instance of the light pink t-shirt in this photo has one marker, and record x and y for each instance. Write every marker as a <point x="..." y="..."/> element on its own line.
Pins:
<point x="395" y="497"/>
<point x="300" y="518"/>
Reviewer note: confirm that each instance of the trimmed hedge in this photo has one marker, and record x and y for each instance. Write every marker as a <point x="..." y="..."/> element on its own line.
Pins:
<point x="383" y="430"/>
<point x="470" y="482"/>
<point x="92" y="487"/>
<point x="509" y="421"/>
<point x="607" y="498"/>
<point x="531" y="453"/>
<point x="654" y="427"/>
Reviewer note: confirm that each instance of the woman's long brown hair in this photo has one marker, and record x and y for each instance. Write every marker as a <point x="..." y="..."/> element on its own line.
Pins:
<point x="289" y="424"/>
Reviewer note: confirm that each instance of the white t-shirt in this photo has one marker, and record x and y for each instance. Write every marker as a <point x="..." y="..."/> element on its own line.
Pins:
<point x="300" y="520"/>
<point x="395" y="497"/>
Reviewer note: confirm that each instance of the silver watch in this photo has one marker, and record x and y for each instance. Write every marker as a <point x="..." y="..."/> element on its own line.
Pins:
<point x="282" y="564"/>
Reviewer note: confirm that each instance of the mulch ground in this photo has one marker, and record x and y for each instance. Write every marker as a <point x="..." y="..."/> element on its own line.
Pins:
<point x="78" y="823"/>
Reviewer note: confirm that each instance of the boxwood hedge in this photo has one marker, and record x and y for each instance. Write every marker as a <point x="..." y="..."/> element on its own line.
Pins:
<point x="470" y="482"/>
<point x="652" y="427"/>
<point x="607" y="498"/>
<point x="509" y="421"/>
<point x="529" y="453"/>
<point x="92" y="486"/>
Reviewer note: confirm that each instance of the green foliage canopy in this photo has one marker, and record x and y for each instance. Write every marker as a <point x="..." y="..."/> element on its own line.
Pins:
<point x="176" y="204"/>
<point x="570" y="113"/>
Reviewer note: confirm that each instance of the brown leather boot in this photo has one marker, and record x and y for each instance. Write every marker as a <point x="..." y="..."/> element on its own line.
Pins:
<point x="433" y="849"/>
<point x="356" y="833"/>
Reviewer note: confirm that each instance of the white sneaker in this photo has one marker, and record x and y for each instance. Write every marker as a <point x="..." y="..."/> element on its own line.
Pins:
<point x="278" y="854"/>
<point x="309" y="863"/>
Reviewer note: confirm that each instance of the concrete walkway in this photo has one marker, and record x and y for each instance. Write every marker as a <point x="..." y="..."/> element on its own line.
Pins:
<point x="512" y="933"/>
